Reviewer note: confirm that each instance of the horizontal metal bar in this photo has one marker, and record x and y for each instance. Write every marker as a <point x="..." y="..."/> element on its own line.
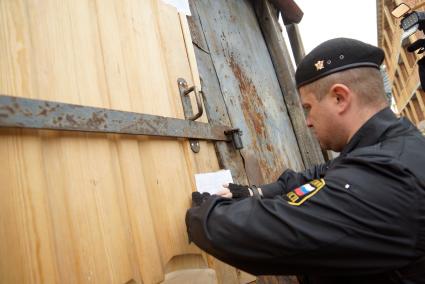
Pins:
<point x="40" y="114"/>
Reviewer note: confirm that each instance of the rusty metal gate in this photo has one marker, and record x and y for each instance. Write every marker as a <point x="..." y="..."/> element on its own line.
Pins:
<point x="248" y="81"/>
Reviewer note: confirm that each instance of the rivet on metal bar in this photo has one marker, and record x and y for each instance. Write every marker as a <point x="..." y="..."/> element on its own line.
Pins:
<point x="194" y="145"/>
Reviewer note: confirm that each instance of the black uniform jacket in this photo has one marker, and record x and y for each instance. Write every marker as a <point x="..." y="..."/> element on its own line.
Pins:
<point x="359" y="215"/>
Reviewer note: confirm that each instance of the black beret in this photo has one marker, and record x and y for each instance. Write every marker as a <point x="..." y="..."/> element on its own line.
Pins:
<point x="336" y="55"/>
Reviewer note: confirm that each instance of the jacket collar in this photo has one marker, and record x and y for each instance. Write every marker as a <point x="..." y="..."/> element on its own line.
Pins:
<point x="372" y="131"/>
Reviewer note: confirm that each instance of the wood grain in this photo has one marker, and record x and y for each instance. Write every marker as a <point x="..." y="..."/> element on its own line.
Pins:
<point x="91" y="208"/>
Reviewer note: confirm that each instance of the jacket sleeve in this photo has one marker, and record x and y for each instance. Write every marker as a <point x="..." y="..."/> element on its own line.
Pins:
<point x="351" y="225"/>
<point x="291" y="179"/>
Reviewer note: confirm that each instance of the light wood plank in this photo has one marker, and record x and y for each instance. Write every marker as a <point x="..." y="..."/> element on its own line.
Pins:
<point x="82" y="208"/>
<point x="420" y="100"/>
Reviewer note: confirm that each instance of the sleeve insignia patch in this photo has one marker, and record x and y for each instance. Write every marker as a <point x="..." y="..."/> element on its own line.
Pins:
<point x="300" y="194"/>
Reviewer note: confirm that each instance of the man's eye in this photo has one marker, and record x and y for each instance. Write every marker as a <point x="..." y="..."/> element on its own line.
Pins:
<point x="306" y="110"/>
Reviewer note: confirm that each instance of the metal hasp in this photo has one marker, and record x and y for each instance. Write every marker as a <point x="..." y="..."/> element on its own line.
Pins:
<point x="235" y="136"/>
<point x="185" y="91"/>
<point x="19" y="112"/>
<point x="187" y="106"/>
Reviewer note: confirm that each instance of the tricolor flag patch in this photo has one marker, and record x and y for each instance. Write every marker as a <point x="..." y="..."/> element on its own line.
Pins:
<point x="300" y="194"/>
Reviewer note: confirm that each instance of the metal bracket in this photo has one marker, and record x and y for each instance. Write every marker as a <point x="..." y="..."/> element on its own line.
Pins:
<point x="234" y="135"/>
<point x="187" y="107"/>
<point x="16" y="112"/>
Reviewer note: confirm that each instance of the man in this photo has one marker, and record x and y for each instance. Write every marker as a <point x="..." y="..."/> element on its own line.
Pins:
<point x="359" y="218"/>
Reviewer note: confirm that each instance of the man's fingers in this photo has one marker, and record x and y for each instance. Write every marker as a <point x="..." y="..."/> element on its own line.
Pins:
<point x="224" y="192"/>
<point x="228" y="195"/>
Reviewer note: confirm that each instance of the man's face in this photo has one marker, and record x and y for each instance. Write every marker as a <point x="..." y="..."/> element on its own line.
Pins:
<point x="321" y="118"/>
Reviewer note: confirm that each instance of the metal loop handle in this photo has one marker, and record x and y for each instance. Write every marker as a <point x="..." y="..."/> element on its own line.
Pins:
<point x="198" y="102"/>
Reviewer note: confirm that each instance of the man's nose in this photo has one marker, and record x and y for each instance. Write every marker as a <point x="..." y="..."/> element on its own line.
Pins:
<point x="309" y="122"/>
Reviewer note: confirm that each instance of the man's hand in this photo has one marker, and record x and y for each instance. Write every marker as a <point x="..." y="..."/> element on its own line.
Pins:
<point x="236" y="191"/>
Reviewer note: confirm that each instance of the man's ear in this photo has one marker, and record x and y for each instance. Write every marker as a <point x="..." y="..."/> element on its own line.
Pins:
<point x="342" y="96"/>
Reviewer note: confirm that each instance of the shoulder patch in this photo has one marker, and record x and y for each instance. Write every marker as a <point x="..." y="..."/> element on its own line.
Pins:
<point x="300" y="194"/>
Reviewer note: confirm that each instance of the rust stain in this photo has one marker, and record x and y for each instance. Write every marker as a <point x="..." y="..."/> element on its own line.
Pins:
<point x="57" y="120"/>
<point x="96" y="120"/>
<point x="17" y="108"/>
<point x="8" y="108"/>
<point x="71" y="120"/>
<point x="43" y="112"/>
<point x="47" y="109"/>
<point x="253" y="168"/>
<point x="255" y="116"/>
<point x="269" y="171"/>
<point x="252" y="106"/>
<point x="269" y="147"/>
